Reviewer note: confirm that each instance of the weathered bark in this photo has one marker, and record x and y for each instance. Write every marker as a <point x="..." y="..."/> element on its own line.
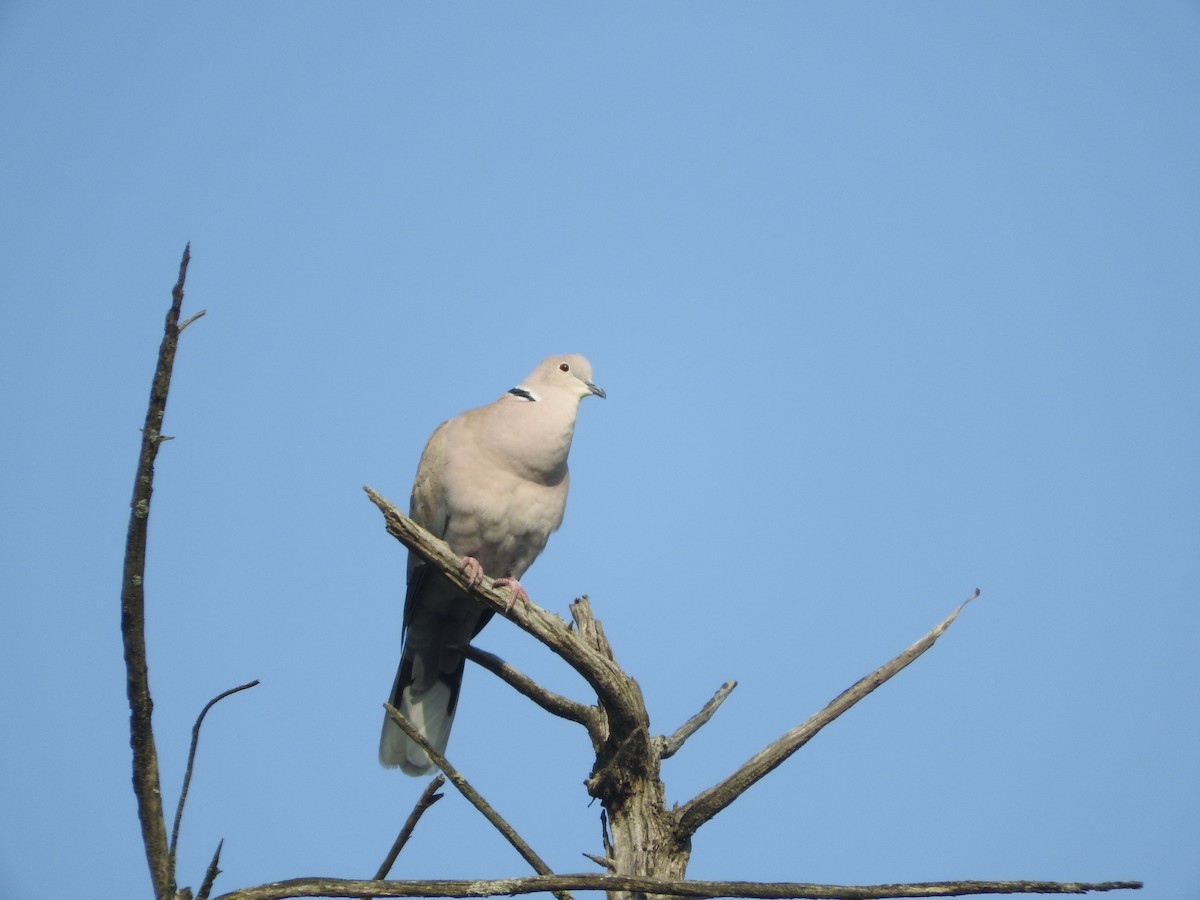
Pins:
<point x="133" y="610"/>
<point x="753" y="890"/>
<point x="627" y="779"/>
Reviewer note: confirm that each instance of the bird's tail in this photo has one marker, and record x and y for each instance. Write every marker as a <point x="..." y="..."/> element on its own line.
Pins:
<point x="431" y="711"/>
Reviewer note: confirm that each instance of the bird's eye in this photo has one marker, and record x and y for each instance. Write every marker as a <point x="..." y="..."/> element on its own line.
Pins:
<point x="563" y="367"/>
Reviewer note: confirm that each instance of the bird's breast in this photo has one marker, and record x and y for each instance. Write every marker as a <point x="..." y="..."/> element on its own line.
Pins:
<point x="505" y="527"/>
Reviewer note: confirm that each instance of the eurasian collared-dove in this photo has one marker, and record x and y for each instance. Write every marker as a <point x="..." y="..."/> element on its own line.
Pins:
<point x="492" y="483"/>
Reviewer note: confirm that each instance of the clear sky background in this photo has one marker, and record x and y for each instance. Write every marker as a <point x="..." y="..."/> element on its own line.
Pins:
<point x="891" y="301"/>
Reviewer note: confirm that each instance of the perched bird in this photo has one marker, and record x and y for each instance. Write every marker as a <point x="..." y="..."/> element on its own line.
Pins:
<point x="491" y="483"/>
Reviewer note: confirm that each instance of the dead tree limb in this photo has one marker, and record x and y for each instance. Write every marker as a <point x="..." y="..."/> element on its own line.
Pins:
<point x="146" y="784"/>
<point x="191" y="760"/>
<point x="211" y="873"/>
<point x="334" y="887"/>
<point x="708" y="803"/>
<point x="428" y="797"/>
<point x="556" y="704"/>
<point x="669" y="746"/>
<point x="473" y="796"/>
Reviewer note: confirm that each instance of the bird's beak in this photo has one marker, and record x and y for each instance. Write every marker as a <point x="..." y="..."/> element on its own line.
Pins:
<point x="596" y="389"/>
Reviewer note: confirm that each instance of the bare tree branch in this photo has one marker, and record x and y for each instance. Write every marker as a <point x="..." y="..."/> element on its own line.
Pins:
<point x="428" y="797"/>
<point x="669" y="746"/>
<point x="212" y="872"/>
<point x="473" y="796"/>
<point x="192" y="318"/>
<point x="146" y="785"/>
<point x="557" y="704"/>
<point x="335" y="887"/>
<point x="708" y="803"/>
<point x="187" y="774"/>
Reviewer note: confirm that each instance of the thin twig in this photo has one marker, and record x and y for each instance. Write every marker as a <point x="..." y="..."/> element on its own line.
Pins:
<point x="146" y="785"/>
<point x="192" y="318"/>
<point x="473" y="796"/>
<point x="428" y="797"/>
<point x="211" y="874"/>
<point x="561" y="706"/>
<point x="336" y="887"/>
<point x="187" y="774"/>
<point x="708" y="803"/>
<point x="669" y="746"/>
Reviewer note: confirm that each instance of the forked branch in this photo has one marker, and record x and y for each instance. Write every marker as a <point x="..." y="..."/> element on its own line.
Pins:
<point x="473" y="796"/>
<point x="428" y="797"/>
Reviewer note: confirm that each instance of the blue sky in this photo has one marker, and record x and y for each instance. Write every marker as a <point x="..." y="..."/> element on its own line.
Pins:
<point x="890" y="301"/>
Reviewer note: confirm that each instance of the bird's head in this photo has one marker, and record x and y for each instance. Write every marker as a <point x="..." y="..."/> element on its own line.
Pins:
<point x="565" y="375"/>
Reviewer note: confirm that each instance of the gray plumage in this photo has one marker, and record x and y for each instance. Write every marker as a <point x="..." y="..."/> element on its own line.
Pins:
<point x="492" y="483"/>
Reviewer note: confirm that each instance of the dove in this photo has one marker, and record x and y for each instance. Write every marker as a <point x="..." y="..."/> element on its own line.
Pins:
<point x="492" y="483"/>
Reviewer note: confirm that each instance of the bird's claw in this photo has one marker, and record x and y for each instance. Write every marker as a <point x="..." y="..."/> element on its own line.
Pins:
<point x="516" y="592"/>
<point x="472" y="568"/>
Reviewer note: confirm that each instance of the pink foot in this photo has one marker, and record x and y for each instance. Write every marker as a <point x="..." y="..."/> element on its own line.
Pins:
<point x="472" y="568"/>
<point x="516" y="592"/>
